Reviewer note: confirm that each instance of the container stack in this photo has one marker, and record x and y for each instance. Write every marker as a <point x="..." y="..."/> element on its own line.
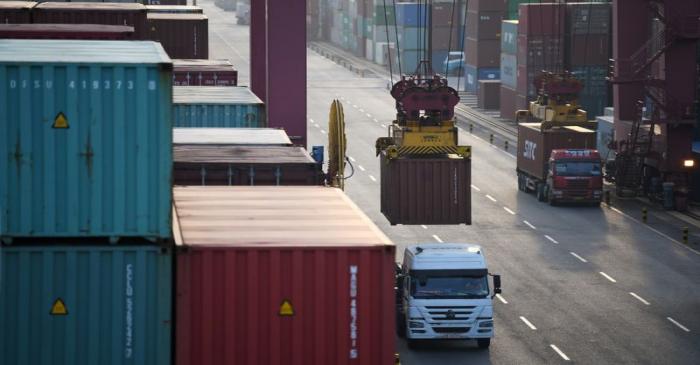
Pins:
<point x="86" y="202"/>
<point x="509" y="69"/>
<point x="183" y="35"/>
<point x="217" y="107"/>
<point x="383" y="33"/>
<point x="411" y="21"/>
<point x="588" y="50"/>
<point x="512" y="11"/>
<point x="483" y="41"/>
<point x="193" y="72"/>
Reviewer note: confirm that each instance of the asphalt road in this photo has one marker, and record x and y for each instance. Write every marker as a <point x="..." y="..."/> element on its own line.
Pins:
<point x="581" y="284"/>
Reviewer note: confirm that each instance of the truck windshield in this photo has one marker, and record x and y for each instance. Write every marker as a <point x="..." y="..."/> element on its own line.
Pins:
<point x="449" y="287"/>
<point x="577" y="168"/>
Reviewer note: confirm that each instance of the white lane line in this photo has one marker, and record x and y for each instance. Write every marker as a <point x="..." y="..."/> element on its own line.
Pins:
<point x="383" y="125"/>
<point x="437" y="238"/>
<point x="361" y="168"/>
<point x="608" y="277"/>
<point x="639" y="298"/>
<point x="351" y="159"/>
<point x="311" y="120"/>
<point x="322" y="131"/>
<point x="424" y="226"/>
<point x="501" y="299"/>
<point x="369" y="115"/>
<point x="372" y="178"/>
<point x="508" y="210"/>
<point x="361" y="110"/>
<point x="529" y="224"/>
<point x="476" y="188"/>
<point x="532" y="327"/>
<point x="354" y="106"/>
<point x="491" y="198"/>
<point x="664" y="235"/>
<point x="550" y="239"/>
<point x="560" y="352"/>
<point x="317" y="126"/>
<point x="376" y="121"/>
<point x="684" y="328"/>
<point x="578" y="257"/>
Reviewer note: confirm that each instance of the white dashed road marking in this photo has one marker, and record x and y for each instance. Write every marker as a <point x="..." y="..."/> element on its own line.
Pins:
<point x="491" y="198"/>
<point x="578" y="257"/>
<point x="372" y="178"/>
<point x="424" y="226"/>
<point x="608" y="277"/>
<point x="560" y="352"/>
<point x="532" y="327"/>
<point x="639" y="298"/>
<point x="475" y="188"/>
<point x="437" y="238"/>
<point x="351" y="158"/>
<point x="684" y="328"/>
<point x="529" y="224"/>
<point x="550" y="238"/>
<point x="322" y="131"/>
<point x="501" y="299"/>
<point x="508" y="210"/>
<point x="361" y="168"/>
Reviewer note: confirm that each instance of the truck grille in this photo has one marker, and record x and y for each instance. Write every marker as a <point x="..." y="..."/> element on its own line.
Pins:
<point x="450" y="329"/>
<point x="458" y="313"/>
<point x="577" y="184"/>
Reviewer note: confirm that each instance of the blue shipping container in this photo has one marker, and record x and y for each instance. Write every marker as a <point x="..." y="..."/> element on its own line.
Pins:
<point x="412" y="37"/>
<point x="86" y="134"/>
<point x="88" y="305"/>
<point x="509" y="70"/>
<point x="411" y="14"/>
<point x="509" y="37"/>
<point x="594" y="97"/>
<point x="473" y="75"/>
<point x="210" y="106"/>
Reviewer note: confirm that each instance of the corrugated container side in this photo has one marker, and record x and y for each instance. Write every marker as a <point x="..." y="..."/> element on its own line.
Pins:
<point x="484" y="25"/>
<point x="508" y="103"/>
<point x="489" y="94"/>
<point x="219" y="116"/>
<point x="66" y="31"/>
<point x="589" y="18"/>
<point x="93" y="13"/>
<point x="182" y="35"/>
<point x="483" y="53"/>
<point x="509" y="37"/>
<point x="540" y="145"/>
<point x="589" y="50"/>
<point x="383" y="14"/>
<point x="107" y="171"/>
<point x="486" y="5"/>
<point x="16" y="12"/>
<point x="541" y="51"/>
<point x="509" y="70"/>
<point x="411" y="14"/>
<point x="426" y="190"/>
<point x="542" y="19"/>
<point x="118" y="301"/>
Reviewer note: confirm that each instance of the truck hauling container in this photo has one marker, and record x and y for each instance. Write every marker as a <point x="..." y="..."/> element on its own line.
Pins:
<point x="443" y="293"/>
<point x="277" y="275"/>
<point x="559" y="163"/>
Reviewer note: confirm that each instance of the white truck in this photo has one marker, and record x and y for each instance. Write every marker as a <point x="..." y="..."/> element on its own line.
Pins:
<point x="442" y="292"/>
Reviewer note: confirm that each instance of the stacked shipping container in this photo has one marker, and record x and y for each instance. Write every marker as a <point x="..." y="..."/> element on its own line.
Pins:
<point x="205" y="106"/>
<point x="482" y="44"/>
<point x="183" y="35"/>
<point x="509" y="69"/>
<point x="189" y="72"/>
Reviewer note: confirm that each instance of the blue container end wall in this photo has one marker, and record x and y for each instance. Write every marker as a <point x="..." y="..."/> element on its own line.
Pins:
<point x="118" y="301"/>
<point x="473" y="75"/>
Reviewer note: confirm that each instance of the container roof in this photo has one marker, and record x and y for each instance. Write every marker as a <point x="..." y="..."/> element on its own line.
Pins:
<point x="231" y="136"/>
<point x="176" y="16"/>
<point x="17" y="4"/>
<point x="270" y="155"/>
<point x="214" y="95"/>
<point x="270" y="216"/>
<point x="174" y="8"/>
<point x="50" y="51"/>
<point x="91" y="6"/>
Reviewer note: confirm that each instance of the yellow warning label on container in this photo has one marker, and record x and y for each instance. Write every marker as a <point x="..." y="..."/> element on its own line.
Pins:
<point x="286" y="308"/>
<point x="59" y="308"/>
<point x="60" y="122"/>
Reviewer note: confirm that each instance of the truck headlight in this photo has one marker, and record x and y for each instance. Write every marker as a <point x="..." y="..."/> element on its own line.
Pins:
<point x="415" y="324"/>
<point x="688" y="163"/>
<point x="486" y="324"/>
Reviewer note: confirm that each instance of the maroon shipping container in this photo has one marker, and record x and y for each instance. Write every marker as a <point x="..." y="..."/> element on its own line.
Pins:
<point x="444" y="16"/>
<point x="508" y="103"/>
<point x="193" y="72"/>
<point x="280" y="275"/>
<point x="431" y="190"/>
<point x="484" y="25"/>
<point x="165" y="2"/>
<point x="16" y="12"/>
<point x="535" y="145"/>
<point x="66" y="31"/>
<point x="542" y="19"/>
<point x="487" y="5"/>
<point x="488" y="94"/>
<point x="130" y="14"/>
<point x="541" y="51"/>
<point x="483" y="53"/>
<point x="442" y="37"/>
<point x="589" y="50"/>
<point x="244" y="165"/>
<point x="182" y="35"/>
<point x="188" y="9"/>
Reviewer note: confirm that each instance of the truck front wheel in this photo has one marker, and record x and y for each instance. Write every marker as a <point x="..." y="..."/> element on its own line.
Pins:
<point x="483" y="343"/>
<point x="539" y="192"/>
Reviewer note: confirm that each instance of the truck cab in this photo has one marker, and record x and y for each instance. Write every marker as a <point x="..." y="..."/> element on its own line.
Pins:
<point x="443" y="293"/>
<point x="574" y="176"/>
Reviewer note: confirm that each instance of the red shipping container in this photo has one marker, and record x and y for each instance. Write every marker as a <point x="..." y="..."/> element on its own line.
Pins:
<point x="483" y="53"/>
<point x="508" y="105"/>
<point x="589" y="50"/>
<point x="16" y="12"/>
<point x="130" y="14"/>
<point x="193" y="72"/>
<point x="66" y="31"/>
<point x="541" y="51"/>
<point x="542" y="19"/>
<point x="182" y="35"/>
<point x="280" y="275"/>
<point x="487" y="5"/>
<point x="484" y="25"/>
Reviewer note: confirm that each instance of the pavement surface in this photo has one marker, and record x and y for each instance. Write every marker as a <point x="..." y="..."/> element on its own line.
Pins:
<point x="587" y="285"/>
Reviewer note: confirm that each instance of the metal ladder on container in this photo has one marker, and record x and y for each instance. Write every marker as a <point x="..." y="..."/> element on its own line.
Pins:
<point x="629" y="162"/>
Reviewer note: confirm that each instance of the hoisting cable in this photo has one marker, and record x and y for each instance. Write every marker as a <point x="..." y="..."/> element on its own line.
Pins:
<point x="449" y="44"/>
<point x="386" y="21"/>
<point x="396" y="34"/>
<point x="418" y="34"/>
<point x="462" y="60"/>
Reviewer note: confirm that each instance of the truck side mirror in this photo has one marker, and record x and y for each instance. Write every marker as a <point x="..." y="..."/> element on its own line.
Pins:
<point x="497" y="284"/>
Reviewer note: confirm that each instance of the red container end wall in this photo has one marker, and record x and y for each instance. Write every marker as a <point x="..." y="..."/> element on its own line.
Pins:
<point x="280" y="275"/>
<point x="542" y="19"/>
<point x="66" y="31"/>
<point x="93" y="13"/>
<point x="182" y="35"/>
<point x="16" y="12"/>
<point x="193" y="72"/>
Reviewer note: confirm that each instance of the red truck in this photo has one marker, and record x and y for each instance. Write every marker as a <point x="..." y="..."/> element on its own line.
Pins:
<point x="559" y="163"/>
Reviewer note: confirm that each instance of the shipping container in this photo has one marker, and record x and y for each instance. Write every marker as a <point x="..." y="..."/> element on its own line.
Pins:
<point x="182" y="35"/>
<point x="165" y="2"/>
<point x="244" y="165"/>
<point x="411" y="15"/>
<point x="130" y="14"/>
<point x="589" y="50"/>
<point x="484" y="25"/>
<point x="444" y="38"/>
<point x="509" y="70"/>
<point x="66" y="31"/>
<point x="446" y="15"/>
<point x="508" y="103"/>
<point x="383" y="14"/>
<point x="85" y="305"/>
<point x="486" y="5"/>
<point x="197" y="72"/>
<point x="541" y="52"/>
<point x="535" y="145"/>
<point x="542" y="19"/>
<point x="605" y="135"/>
<point x="589" y="18"/>
<point x="91" y="144"/>
<point x="473" y="75"/>
<point x="509" y="37"/>
<point x="488" y="94"/>
<point x="430" y="190"/>
<point x="189" y="9"/>
<point x="512" y="11"/>
<point x="595" y="94"/>
<point x="231" y="136"/>
<point x="272" y="275"/>
<point x="483" y="53"/>
<point x="412" y="38"/>
<point x="210" y="106"/>
<point x="16" y="12"/>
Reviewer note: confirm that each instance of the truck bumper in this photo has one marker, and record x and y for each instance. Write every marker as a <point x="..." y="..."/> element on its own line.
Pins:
<point x="450" y="332"/>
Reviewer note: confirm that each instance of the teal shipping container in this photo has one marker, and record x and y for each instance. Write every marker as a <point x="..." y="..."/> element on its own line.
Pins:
<point x="217" y="107"/>
<point x="86" y="133"/>
<point x="509" y="37"/>
<point x="85" y="305"/>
